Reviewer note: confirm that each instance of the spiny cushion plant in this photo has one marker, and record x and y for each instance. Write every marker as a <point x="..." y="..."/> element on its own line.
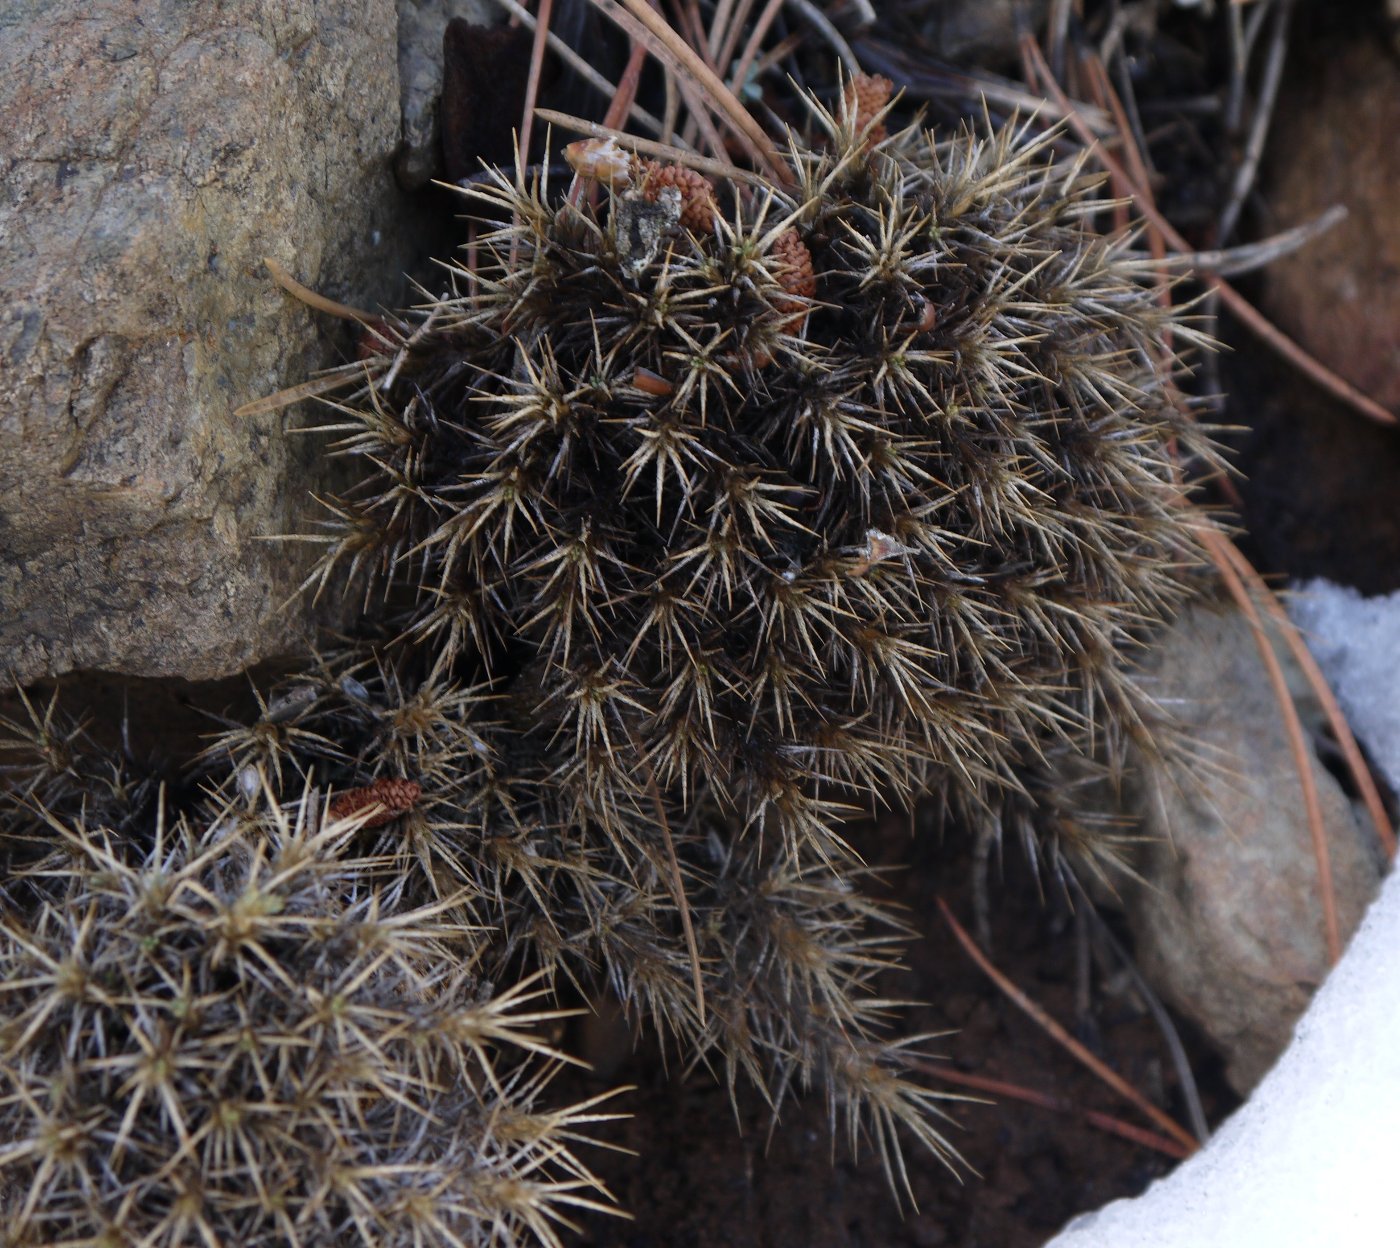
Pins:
<point x="221" y="1032"/>
<point x="864" y="489"/>
<point x="699" y="516"/>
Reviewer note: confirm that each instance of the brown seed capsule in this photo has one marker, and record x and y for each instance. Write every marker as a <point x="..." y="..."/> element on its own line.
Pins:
<point x="792" y="266"/>
<point x="390" y="798"/>
<point x="866" y="95"/>
<point x="698" y="203"/>
<point x="647" y="382"/>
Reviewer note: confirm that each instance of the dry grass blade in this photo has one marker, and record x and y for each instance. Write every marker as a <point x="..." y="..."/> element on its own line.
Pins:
<point x="1018" y="1092"/>
<point x="1248" y="315"/>
<point x="1063" y="1038"/>
<point x="642" y="23"/>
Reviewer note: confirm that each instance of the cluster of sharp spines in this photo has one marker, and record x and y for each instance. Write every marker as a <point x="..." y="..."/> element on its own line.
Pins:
<point x="683" y="539"/>
<point x="231" y="1034"/>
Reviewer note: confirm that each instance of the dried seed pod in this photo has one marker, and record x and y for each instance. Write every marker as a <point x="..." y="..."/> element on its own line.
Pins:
<point x="390" y="798"/>
<point x="698" y="202"/>
<point x="865" y="96"/>
<point x="792" y="266"/>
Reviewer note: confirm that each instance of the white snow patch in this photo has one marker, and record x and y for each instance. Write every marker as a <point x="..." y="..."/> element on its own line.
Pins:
<point x="1308" y="1161"/>
<point x="1356" y="642"/>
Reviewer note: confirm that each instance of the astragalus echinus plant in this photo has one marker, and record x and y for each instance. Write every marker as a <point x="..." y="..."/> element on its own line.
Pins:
<point x="700" y="516"/>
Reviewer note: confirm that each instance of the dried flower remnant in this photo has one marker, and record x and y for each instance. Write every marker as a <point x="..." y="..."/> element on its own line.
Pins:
<point x="602" y="160"/>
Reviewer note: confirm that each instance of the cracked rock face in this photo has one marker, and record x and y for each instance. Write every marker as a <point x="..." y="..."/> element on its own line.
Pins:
<point x="154" y="153"/>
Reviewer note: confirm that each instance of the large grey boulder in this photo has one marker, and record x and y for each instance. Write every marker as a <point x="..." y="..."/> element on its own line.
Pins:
<point x="154" y="153"/>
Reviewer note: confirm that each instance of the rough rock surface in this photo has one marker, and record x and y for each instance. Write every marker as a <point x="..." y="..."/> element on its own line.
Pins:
<point x="1340" y="295"/>
<point x="1228" y="926"/>
<point x="154" y="153"/>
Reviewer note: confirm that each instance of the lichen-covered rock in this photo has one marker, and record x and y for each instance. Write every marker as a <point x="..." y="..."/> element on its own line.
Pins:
<point x="1228" y="922"/>
<point x="154" y="154"/>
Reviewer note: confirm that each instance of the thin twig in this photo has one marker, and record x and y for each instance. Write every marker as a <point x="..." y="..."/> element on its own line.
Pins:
<point x="1259" y="124"/>
<point x="1063" y="1038"/>
<point x="1018" y="1092"/>
<point x="581" y="67"/>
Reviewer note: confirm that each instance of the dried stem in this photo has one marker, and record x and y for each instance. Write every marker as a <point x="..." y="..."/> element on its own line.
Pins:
<point x="1064" y="1039"/>
<point x="1247" y="314"/>
<point x="1019" y="1092"/>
